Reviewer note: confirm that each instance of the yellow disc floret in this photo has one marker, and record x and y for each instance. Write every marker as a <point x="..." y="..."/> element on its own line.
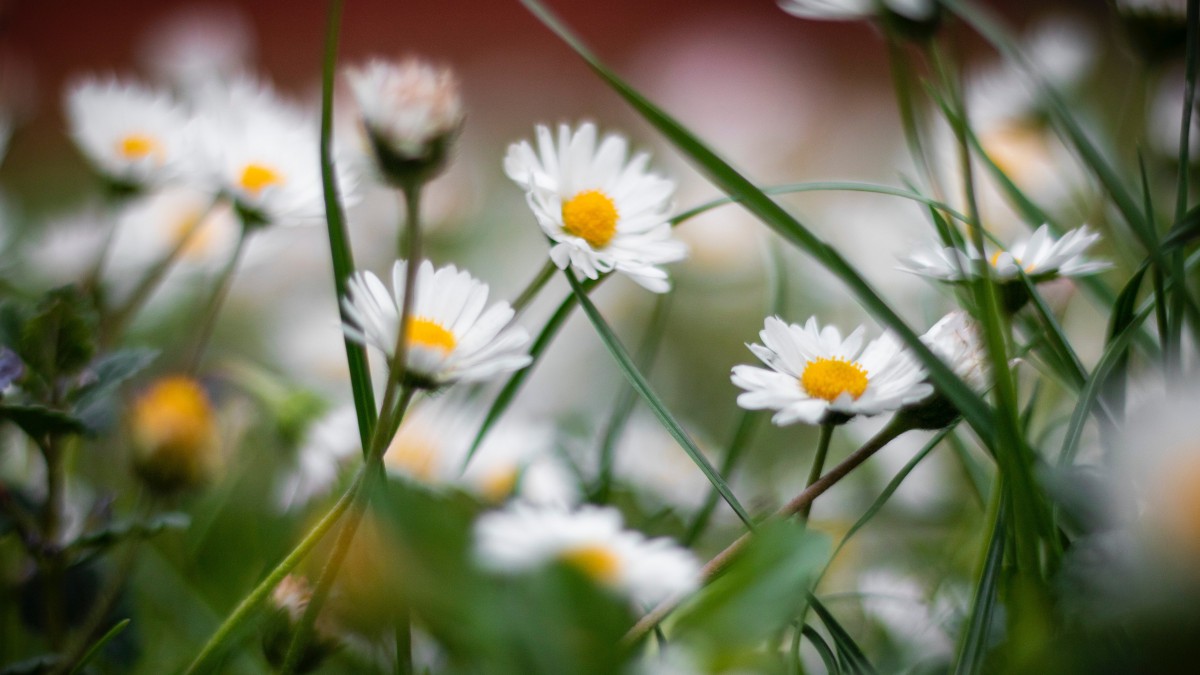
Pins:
<point x="830" y="378"/>
<point x="591" y="216"/>
<point x="257" y="177"/>
<point x="175" y="436"/>
<point x="426" y="333"/>
<point x="138" y="146"/>
<point x="594" y="560"/>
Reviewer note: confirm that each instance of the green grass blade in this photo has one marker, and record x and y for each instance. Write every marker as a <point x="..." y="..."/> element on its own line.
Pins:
<point x="339" y="241"/>
<point x="973" y="648"/>
<point x="977" y="413"/>
<point x="853" y="656"/>
<point x="823" y="650"/>
<point x="94" y="650"/>
<point x="1072" y="367"/>
<point x="639" y="383"/>
<point x="1192" y="59"/>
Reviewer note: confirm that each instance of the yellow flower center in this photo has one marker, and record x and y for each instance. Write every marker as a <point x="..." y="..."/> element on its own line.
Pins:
<point x="594" y="560"/>
<point x="413" y="455"/>
<point x="256" y="177"/>
<point x="591" y="216"/>
<point x="498" y="485"/>
<point x="426" y="333"/>
<point x="138" y="146"/>
<point x="996" y="260"/>
<point x="175" y="435"/>
<point x="830" y="378"/>
<point x="193" y="236"/>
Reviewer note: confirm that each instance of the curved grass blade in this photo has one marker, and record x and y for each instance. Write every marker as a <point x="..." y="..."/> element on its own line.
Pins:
<point x="849" y="651"/>
<point x="339" y="241"/>
<point x="639" y="383"/>
<point x="1071" y="366"/>
<point x="513" y="385"/>
<point x="99" y="644"/>
<point x="973" y="648"/>
<point x="823" y="650"/>
<point x="977" y="413"/>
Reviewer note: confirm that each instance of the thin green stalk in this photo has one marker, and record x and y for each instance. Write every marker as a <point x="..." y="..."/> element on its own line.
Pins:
<point x="535" y="286"/>
<point x="213" y="309"/>
<point x="747" y="425"/>
<point x="245" y="609"/>
<point x="374" y="470"/>
<point x="339" y="240"/>
<point x="818" y="464"/>
<point x="1175" y="315"/>
<point x="412" y="253"/>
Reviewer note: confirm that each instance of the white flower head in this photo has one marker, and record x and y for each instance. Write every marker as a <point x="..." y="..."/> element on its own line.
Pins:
<point x="450" y="335"/>
<point x="522" y="538"/>
<point x="815" y="372"/>
<point x="408" y="107"/>
<point x="601" y="212"/>
<point x="1041" y="256"/>
<point x="956" y="339"/>
<point x="849" y="10"/>
<point x="329" y="442"/>
<point x="263" y="154"/>
<point x="132" y="135"/>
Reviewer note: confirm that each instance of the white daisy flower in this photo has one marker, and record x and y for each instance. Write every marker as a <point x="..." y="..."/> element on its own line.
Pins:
<point x="450" y="336"/>
<point x="816" y="375"/>
<point x="132" y="135"/>
<point x="1041" y="256"/>
<point x="263" y="154"/>
<point x="410" y="109"/>
<point x="178" y="216"/>
<point x="522" y="538"/>
<point x="956" y="340"/>
<point x="601" y="212"/>
<point x="849" y="10"/>
<point x="329" y="443"/>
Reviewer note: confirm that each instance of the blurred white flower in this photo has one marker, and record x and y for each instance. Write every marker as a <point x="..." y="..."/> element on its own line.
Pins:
<point x="197" y="45"/>
<point x="601" y="212"/>
<point x="846" y="10"/>
<point x="955" y="339"/>
<point x="901" y="606"/>
<point x="450" y="336"/>
<point x="67" y="246"/>
<point x="132" y="135"/>
<point x="330" y="441"/>
<point x="650" y="460"/>
<point x="204" y="230"/>
<point x="1040" y="255"/>
<point x="815" y="373"/>
<point x="522" y="538"/>
<point x="410" y="109"/>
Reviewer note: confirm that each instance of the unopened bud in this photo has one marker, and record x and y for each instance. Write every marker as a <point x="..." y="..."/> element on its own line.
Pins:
<point x="175" y="439"/>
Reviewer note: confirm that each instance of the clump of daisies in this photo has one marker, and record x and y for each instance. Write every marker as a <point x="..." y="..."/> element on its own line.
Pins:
<point x="450" y="337"/>
<point x="523" y="538"/>
<point x="816" y="376"/>
<point x="411" y="112"/>
<point x="601" y="212"/>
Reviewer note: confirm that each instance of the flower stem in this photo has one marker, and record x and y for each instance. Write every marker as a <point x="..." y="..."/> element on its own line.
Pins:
<point x="213" y="309"/>
<point x="535" y="286"/>
<point x="818" y="464"/>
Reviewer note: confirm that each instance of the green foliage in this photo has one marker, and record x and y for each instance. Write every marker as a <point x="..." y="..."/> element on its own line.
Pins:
<point x="59" y="337"/>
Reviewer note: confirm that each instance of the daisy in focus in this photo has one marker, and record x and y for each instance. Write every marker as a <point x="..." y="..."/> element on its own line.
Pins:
<point x="1041" y="256"/>
<point x="523" y="538"/>
<point x="450" y="336"/>
<point x="410" y="110"/>
<point x="817" y="377"/>
<point x="601" y="212"/>
<point x="133" y="136"/>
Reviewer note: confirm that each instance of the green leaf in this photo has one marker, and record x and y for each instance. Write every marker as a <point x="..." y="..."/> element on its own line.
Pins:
<point x="133" y="528"/>
<point x="635" y="377"/>
<point x="852" y="656"/>
<point x="973" y="647"/>
<point x="60" y="338"/>
<point x="99" y="644"/>
<point x="760" y="591"/>
<point x="95" y="402"/>
<point x="1184" y="232"/>
<point x="974" y="410"/>
<point x="38" y="420"/>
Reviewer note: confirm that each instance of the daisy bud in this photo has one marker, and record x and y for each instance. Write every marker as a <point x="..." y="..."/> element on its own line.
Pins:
<point x="411" y="112"/>
<point x="289" y="600"/>
<point x="174" y="434"/>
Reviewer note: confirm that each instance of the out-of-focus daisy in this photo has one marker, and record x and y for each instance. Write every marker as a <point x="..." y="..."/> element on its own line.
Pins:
<point x="651" y="461"/>
<point x="411" y="111"/>
<point x="328" y="443"/>
<point x="262" y="153"/>
<point x="523" y="538"/>
<point x="1041" y="256"/>
<point x="202" y="229"/>
<point x="816" y="376"/>
<point x="848" y="10"/>
<point x="955" y="339"/>
<point x="601" y="212"/>
<point x="132" y="135"/>
<point x="197" y="45"/>
<point x="514" y="460"/>
<point x="174" y="433"/>
<point x="450" y="336"/>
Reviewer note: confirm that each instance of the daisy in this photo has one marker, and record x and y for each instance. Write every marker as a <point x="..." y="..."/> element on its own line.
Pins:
<point x="132" y="135"/>
<point x="848" y="10"/>
<point x="601" y="212"/>
<point x="818" y="377"/>
<point x="450" y="336"/>
<point x="522" y="538"/>
<point x="956" y="340"/>
<point x="263" y="154"/>
<point x="1041" y="256"/>
<point x="330" y="441"/>
<point x="410" y="111"/>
